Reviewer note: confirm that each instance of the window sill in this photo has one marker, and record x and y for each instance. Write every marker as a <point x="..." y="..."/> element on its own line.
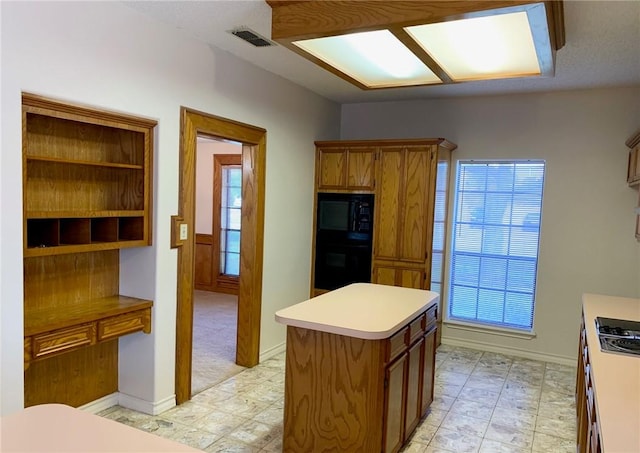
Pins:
<point x="459" y="325"/>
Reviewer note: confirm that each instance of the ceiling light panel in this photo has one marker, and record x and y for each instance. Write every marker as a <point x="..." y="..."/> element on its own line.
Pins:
<point x="376" y="59"/>
<point x="487" y="47"/>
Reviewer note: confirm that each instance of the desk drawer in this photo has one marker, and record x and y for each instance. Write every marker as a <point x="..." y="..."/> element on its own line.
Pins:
<point x="63" y="340"/>
<point x="117" y="326"/>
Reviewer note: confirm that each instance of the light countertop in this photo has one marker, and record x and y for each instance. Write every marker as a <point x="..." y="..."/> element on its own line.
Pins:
<point x="61" y="428"/>
<point x="360" y="310"/>
<point x="616" y="377"/>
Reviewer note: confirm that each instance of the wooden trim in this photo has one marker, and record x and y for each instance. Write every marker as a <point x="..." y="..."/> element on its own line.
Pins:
<point x="633" y="140"/>
<point x="222" y="283"/>
<point x="442" y="142"/>
<point x="194" y="123"/>
<point x="311" y="19"/>
<point x="101" y="116"/>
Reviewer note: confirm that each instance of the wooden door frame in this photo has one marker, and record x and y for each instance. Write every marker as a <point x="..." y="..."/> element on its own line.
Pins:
<point x="221" y="283"/>
<point x="253" y="139"/>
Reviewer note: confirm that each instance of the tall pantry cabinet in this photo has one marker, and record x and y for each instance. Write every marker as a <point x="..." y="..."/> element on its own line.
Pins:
<point x="409" y="180"/>
<point x="86" y="195"/>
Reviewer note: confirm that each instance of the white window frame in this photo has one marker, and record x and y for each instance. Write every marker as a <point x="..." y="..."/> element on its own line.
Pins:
<point x="478" y="325"/>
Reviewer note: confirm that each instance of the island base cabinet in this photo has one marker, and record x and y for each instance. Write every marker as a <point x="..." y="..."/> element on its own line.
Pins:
<point x="333" y="392"/>
<point x="350" y="394"/>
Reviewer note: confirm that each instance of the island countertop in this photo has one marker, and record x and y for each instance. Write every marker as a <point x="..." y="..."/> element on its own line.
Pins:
<point x="361" y="310"/>
<point x="616" y="377"/>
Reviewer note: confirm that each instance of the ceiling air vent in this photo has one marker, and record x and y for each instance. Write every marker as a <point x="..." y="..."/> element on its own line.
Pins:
<point x="252" y="37"/>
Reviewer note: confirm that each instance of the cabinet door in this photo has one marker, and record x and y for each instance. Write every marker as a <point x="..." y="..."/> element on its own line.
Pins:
<point x="331" y="168"/>
<point x="386" y="274"/>
<point x="414" y="380"/>
<point x="361" y="168"/>
<point x="394" y="408"/>
<point x="403" y="199"/>
<point x="428" y="369"/>
<point x="388" y="199"/>
<point x="415" y="208"/>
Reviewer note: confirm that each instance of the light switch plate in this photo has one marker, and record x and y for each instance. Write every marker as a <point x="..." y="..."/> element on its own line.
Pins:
<point x="179" y="231"/>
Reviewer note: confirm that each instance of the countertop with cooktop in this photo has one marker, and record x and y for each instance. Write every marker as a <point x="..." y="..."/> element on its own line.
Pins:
<point x="616" y="377"/>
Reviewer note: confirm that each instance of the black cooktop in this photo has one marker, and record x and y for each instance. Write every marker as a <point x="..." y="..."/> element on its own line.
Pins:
<point x="619" y="335"/>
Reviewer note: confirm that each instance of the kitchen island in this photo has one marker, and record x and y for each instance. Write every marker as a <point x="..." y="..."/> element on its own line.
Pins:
<point x="359" y="368"/>
<point x="608" y="384"/>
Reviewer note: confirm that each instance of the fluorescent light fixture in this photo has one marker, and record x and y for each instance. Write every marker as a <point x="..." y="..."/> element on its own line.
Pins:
<point x="487" y="47"/>
<point x="376" y="59"/>
<point x="422" y="42"/>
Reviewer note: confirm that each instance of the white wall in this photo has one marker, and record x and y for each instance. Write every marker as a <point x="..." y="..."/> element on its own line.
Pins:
<point x="107" y="55"/>
<point x="204" y="180"/>
<point x="587" y="242"/>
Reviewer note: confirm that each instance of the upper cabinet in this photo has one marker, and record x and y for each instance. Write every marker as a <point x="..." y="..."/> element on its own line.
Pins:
<point x="405" y="211"/>
<point x="345" y="168"/>
<point x="86" y="180"/>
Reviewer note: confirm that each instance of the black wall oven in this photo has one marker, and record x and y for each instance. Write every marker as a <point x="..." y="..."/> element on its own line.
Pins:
<point x="344" y="224"/>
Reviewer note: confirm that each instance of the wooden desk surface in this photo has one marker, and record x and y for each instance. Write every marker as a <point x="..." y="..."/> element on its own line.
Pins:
<point x="60" y="428"/>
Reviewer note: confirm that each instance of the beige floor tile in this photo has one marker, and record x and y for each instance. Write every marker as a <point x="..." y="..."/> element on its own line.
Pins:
<point x="226" y="445"/>
<point x="492" y="446"/>
<point x="513" y="418"/>
<point x="256" y="434"/>
<point x="509" y="435"/>
<point x="473" y="409"/>
<point x="564" y="427"/>
<point x="455" y="441"/>
<point x="543" y="443"/>
<point x="465" y="424"/>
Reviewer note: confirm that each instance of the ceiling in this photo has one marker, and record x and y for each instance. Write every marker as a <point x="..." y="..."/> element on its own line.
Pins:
<point x="602" y="49"/>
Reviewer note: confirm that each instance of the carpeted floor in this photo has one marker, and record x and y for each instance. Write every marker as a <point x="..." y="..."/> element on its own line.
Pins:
<point x="214" y="339"/>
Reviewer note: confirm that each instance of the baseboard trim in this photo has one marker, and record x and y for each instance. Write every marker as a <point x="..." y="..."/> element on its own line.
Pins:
<point x="272" y="352"/>
<point x="101" y="404"/>
<point x="147" y="407"/>
<point x="489" y="347"/>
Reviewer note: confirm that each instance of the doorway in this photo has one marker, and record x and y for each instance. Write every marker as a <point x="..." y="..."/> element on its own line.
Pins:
<point x="253" y="141"/>
<point x="217" y="265"/>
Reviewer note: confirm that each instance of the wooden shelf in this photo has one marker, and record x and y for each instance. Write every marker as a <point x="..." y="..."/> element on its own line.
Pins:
<point x="87" y="186"/>
<point x="80" y="248"/>
<point x="80" y="214"/>
<point x="41" y="320"/>
<point x="83" y="162"/>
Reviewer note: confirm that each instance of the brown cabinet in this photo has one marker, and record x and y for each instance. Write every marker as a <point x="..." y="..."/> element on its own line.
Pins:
<point x="340" y="167"/>
<point x="409" y="379"/>
<point x="588" y="438"/>
<point x="87" y="194"/>
<point x="411" y="215"/>
<point x="350" y="394"/>
<point x="409" y="179"/>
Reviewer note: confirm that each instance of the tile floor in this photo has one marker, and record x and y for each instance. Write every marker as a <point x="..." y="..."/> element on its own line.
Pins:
<point x="484" y="402"/>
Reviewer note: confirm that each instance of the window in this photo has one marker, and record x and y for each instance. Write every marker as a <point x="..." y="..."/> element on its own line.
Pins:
<point x="440" y="213"/>
<point x="495" y="243"/>
<point x="230" y="211"/>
